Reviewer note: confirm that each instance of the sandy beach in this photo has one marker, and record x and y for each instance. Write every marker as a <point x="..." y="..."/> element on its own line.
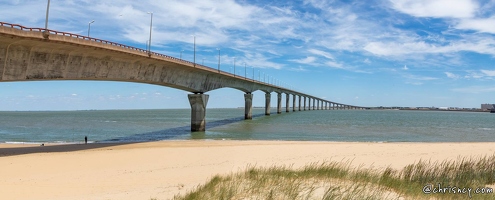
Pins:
<point x="163" y="169"/>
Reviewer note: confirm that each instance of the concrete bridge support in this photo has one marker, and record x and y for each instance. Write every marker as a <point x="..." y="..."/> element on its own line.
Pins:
<point x="279" y="103"/>
<point x="248" y="107"/>
<point x="314" y="104"/>
<point x="309" y="103"/>
<point x="267" y="103"/>
<point x="300" y="97"/>
<point x="198" y="111"/>
<point x="317" y="104"/>
<point x="287" y="99"/>
<point x="304" y="107"/>
<point x="293" y="103"/>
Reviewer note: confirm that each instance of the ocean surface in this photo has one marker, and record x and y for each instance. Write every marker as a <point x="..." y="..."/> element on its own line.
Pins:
<point x="117" y="126"/>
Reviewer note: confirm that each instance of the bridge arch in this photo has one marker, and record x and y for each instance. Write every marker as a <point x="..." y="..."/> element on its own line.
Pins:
<point x="30" y="54"/>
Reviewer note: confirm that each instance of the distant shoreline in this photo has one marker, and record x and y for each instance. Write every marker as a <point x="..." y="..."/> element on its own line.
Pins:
<point x="258" y="107"/>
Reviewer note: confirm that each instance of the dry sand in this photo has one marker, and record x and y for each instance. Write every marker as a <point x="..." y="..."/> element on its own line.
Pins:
<point x="162" y="169"/>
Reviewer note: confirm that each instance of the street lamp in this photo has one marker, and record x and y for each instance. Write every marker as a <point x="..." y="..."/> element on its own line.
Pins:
<point x="151" y="25"/>
<point x="194" y="50"/>
<point x="89" y="25"/>
<point x="253" y="72"/>
<point x="203" y="63"/>
<point x="245" y="72"/>
<point x="45" y="34"/>
<point x="181" y="54"/>
<point x="218" y="60"/>
<point x="234" y="66"/>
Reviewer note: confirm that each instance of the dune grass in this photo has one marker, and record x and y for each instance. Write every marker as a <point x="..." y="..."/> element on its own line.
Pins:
<point x="338" y="180"/>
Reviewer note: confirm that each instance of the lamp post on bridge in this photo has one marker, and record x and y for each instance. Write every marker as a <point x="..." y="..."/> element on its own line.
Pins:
<point x="245" y="72"/>
<point x="45" y="33"/>
<point x="234" y="66"/>
<point x="218" y="60"/>
<point x="89" y="25"/>
<point x="194" y="61"/>
<point x="151" y="26"/>
<point x="181" y="54"/>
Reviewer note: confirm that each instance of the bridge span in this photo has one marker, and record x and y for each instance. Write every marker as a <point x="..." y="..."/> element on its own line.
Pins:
<point x="28" y="54"/>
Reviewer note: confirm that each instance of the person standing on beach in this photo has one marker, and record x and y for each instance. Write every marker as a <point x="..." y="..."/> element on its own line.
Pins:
<point x="85" y="139"/>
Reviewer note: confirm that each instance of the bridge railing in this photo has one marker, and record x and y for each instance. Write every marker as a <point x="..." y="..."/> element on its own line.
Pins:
<point x="54" y="32"/>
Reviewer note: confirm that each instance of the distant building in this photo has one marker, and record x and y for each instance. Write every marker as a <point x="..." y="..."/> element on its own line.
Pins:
<point x="486" y="106"/>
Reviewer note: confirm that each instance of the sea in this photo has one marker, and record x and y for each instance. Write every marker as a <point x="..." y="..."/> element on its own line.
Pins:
<point x="123" y="126"/>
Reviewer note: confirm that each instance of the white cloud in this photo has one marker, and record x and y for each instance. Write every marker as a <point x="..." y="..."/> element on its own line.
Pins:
<point x="298" y="69"/>
<point x="481" y="25"/>
<point x="307" y="60"/>
<point x="421" y="78"/>
<point x="451" y="75"/>
<point x="488" y="72"/>
<point x="333" y="64"/>
<point x="475" y="89"/>
<point x="480" y="74"/>
<point x="436" y="8"/>
<point x="321" y="53"/>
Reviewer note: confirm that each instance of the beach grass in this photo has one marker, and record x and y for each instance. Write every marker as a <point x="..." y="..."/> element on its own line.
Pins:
<point x="451" y="179"/>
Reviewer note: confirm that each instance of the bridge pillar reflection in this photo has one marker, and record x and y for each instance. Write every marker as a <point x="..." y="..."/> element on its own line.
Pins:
<point x="279" y="103"/>
<point x="198" y="111"/>
<point x="293" y="103"/>
<point x="267" y="103"/>
<point x="300" y="97"/>
<point x="287" y="98"/>
<point x="248" y="106"/>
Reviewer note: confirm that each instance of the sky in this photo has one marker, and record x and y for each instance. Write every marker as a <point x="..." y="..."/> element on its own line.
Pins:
<point x="366" y="53"/>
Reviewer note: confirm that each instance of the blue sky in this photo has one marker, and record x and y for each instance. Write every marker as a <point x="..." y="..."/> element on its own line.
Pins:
<point x="381" y="53"/>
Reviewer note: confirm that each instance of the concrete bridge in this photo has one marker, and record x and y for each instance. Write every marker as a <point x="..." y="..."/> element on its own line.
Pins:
<point x="28" y="54"/>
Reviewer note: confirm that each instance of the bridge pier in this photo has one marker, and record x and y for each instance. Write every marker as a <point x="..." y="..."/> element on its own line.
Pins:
<point x="287" y="97"/>
<point x="304" y="103"/>
<point x="198" y="111"/>
<point x="279" y="103"/>
<point x="300" y="102"/>
<point x="309" y="103"/>
<point x="267" y="103"/>
<point x="293" y="103"/>
<point x="248" y="106"/>
<point x="314" y="104"/>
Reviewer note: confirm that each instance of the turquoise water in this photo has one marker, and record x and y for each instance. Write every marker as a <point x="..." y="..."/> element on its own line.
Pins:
<point x="174" y="124"/>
